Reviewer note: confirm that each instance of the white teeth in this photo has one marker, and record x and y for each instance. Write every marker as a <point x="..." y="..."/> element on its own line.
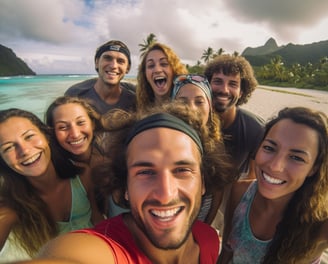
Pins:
<point x="32" y="159"/>
<point x="159" y="78"/>
<point x="166" y="213"/>
<point x="272" y="180"/>
<point x="77" y="142"/>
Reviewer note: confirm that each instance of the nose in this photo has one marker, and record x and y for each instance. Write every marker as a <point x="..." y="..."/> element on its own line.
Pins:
<point x="277" y="164"/>
<point x="74" y="131"/>
<point x="224" y="87"/>
<point x="157" y="67"/>
<point x="166" y="187"/>
<point x="22" y="149"/>
<point x="192" y="105"/>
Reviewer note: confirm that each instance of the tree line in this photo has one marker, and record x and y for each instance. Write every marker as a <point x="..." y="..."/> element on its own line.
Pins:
<point x="275" y="73"/>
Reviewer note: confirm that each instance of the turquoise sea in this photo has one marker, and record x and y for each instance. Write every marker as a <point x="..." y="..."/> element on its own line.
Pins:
<point x="35" y="93"/>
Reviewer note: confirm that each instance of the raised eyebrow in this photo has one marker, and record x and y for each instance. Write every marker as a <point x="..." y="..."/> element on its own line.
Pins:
<point x="67" y="122"/>
<point x="270" y="141"/>
<point x="141" y="164"/>
<point x="26" y="132"/>
<point x="292" y="150"/>
<point x="234" y="82"/>
<point x="150" y="164"/>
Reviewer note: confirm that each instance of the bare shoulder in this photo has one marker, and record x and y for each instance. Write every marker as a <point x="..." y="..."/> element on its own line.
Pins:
<point x="239" y="188"/>
<point x="78" y="247"/>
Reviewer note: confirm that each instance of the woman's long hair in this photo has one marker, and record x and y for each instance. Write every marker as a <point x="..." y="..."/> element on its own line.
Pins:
<point x="296" y="236"/>
<point x="145" y="94"/>
<point x="35" y="224"/>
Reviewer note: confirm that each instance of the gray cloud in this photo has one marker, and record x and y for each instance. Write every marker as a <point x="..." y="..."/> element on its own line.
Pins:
<point x="284" y="17"/>
<point x="50" y="34"/>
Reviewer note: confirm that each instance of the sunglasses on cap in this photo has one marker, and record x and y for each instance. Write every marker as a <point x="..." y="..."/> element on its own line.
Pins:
<point x="190" y="78"/>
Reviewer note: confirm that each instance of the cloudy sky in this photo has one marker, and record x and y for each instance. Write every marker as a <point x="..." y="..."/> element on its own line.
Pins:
<point x="60" y="36"/>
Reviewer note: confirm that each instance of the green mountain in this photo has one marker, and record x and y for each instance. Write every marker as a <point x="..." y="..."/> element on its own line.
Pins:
<point x="290" y="54"/>
<point x="11" y="65"/>
<point x="269" y="47"/>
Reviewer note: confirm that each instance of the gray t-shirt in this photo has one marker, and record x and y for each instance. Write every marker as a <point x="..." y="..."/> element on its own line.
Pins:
<point x="86" y="90"/>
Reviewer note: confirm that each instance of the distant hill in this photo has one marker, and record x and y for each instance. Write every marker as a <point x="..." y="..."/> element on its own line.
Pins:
<point x="269" y="47"/>
<point x="290" y="53"/>
<point x="11" y="65"/>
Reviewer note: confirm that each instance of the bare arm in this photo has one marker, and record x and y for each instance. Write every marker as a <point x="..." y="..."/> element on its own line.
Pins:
<point x="87" y="182"/>
<point x="8" y="218"/>
<point x="237" y="191"/>
<point x="75" y="248"/>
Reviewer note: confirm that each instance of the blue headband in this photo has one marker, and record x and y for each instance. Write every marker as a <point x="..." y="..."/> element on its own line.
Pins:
<point x="164" y="120"/>
<point x="200" y="81"/>
<point x="118" y="48"/>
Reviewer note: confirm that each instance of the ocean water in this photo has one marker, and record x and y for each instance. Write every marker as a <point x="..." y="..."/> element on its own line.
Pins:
<point x="35" y="93"/>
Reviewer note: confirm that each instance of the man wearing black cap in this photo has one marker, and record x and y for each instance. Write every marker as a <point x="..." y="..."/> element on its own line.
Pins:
<point x="112" y="62"/>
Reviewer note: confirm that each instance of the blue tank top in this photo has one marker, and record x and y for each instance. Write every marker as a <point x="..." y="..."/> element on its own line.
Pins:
<point x="245" y="246"/>
<point x="81" y="209"/>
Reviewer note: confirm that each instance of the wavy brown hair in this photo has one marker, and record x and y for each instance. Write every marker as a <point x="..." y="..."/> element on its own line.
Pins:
<point x="35" y="224"/>
<point x="231" y="65"/>
<point x="296" y="235"/>
<point x="144" y="92"/>
<point x="112" y="177"/>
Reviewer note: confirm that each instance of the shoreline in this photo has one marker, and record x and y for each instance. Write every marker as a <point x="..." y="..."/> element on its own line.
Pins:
<point x="266" y="101"/>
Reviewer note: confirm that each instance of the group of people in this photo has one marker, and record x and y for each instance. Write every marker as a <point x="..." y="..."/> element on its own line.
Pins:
<point x="167" y="171"/>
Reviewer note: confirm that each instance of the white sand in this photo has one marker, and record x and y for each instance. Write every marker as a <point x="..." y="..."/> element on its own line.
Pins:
<point x="266" y="101"/>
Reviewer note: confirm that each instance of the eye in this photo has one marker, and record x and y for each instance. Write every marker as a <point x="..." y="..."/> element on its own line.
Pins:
<point x="62" y="127"/>
<point x="216" y="82"/>
<point x="183" y="171"/>
<point x="200" y="102"/>
<point x="164" y="64"/>
<point x="121" y="61"/>
<point x="234" y="84"/>
<point x="267" y="148"/>
<point x="81" y="122"/>
<point x="145" y="172"/>
<point x="150" y="66"/>
<point x="29" y="136"/>
<point x="297" y="158"/>
<point x="7" y="147"/>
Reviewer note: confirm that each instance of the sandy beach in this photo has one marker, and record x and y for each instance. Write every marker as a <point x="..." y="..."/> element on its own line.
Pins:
<point x="266" y="101"/>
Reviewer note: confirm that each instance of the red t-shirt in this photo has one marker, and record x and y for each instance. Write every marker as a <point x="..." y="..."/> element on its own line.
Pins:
<point x="115" y="233"/>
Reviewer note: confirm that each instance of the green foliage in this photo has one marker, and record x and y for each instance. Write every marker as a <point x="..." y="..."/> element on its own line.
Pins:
<point x="311" y="76"/>
<point x="10" y="65"/>
<point x="151" y="38"/>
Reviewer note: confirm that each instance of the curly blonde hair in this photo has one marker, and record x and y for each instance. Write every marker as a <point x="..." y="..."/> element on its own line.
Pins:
<point x="144" y="92"/>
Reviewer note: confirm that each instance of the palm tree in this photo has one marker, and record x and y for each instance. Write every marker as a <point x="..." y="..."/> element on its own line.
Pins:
<point x="151" y="38"/>
<point x="235" y="53"/>
<point x="207" y="54"/>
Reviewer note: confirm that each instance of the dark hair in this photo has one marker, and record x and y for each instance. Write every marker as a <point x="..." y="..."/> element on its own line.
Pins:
<point x="228" y="65"/>
<point x="307" y="209"/>
<point x="112" y="177"/>
<point x="63" y="100"/>
<point x="36" y="225"/>
<point x="115" y="45"/>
